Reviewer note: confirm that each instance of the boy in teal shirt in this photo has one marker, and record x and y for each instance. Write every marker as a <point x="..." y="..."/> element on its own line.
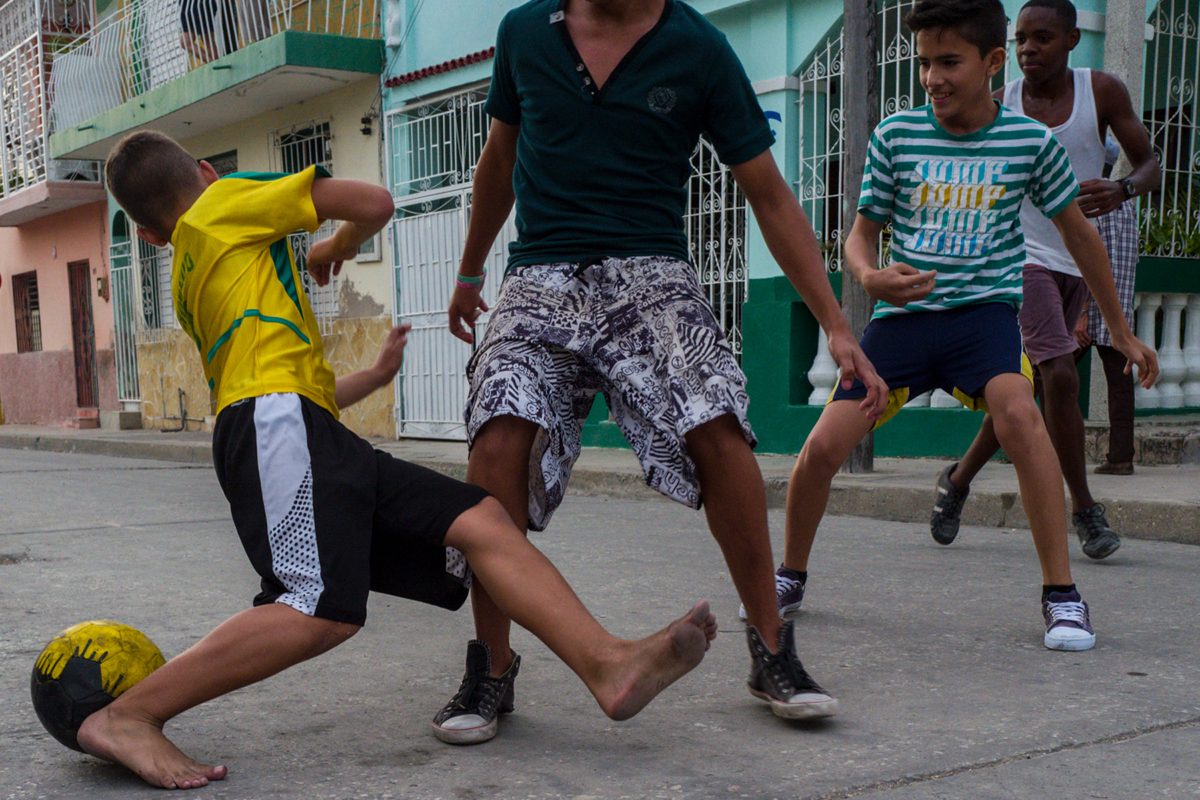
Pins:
<point x="950" y="177"/>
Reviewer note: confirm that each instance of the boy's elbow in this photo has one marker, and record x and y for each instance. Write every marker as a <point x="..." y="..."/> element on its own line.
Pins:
<point x="381" y="206"/>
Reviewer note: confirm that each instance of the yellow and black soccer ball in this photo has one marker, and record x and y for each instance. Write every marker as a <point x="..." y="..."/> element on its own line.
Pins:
<point x="85" y="668"/>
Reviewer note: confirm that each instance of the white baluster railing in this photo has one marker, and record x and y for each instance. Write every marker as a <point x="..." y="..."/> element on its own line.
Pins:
<point x="823" y="373"/>
<point x="1172" y="369"/>
<point x="1146" y="310"/>
<point x="1191" y="352"/>
<point x="1175" y="336"/>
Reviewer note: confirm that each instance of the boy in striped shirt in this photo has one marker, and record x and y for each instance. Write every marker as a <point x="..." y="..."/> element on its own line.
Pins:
<point x="950" y="177"/>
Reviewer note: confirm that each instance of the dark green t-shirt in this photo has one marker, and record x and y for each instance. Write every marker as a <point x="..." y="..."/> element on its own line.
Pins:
<point x="604" y="173"/>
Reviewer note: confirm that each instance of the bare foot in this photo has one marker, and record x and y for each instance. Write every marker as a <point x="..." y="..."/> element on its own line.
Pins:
<point x="654" y="663"/>
<point x="139" y="744"/>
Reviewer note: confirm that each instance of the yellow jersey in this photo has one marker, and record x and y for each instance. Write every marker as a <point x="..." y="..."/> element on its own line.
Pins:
<point x="238" y="293"/>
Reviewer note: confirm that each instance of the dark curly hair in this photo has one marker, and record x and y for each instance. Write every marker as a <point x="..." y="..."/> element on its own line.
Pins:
<point x="1064" y="9"/>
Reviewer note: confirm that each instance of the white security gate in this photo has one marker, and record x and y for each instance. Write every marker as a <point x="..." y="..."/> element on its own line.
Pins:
<point x="433" y="147"/>
<point x="427" y="239"/>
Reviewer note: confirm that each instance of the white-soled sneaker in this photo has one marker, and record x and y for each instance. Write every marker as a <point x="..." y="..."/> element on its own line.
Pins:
<point x="1068" y="626"/>
<point x="789" y="592"/>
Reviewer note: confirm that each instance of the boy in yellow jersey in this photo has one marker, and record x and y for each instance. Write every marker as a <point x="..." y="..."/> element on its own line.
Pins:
<point x="323" y="516"/>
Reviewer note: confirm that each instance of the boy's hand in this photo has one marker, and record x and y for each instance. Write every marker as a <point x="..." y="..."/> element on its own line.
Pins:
<point x="1139" y="355"/>
<point x="391" y="353"/>
<point x="1100" y="196"/>
<point x="899" y="284"/>
<point x="853" y="363"/>
<point x="466" y="306"/>
<point x="325" y="259"/>
<point x="1081" y="334"/>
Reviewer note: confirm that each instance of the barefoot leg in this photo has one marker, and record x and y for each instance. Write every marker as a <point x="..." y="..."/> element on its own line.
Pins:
<point x="248" y="647"/>
<point x="139" y="744"/>
<point x="622" y="675"/>
<point x="654" y="663"/>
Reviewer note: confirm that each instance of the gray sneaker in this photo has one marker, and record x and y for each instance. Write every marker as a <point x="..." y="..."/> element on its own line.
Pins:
<point x="1098" y="539"/>
<point x="947" y="508"/>
<point x="781" y="680"/>
<point x="471" y="715"/>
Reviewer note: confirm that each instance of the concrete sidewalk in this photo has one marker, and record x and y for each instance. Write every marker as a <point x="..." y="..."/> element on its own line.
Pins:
<point x="1158" y="502"/>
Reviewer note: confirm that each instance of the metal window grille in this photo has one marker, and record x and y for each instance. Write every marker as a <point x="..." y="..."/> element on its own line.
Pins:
<point x="437" y="143"/>
<point x="154" y="273"/>
<point x="27" y="311"/>
<point x="295" y="149"/>
<point x="1170" y="218"/>
<point x="822" y="116"/>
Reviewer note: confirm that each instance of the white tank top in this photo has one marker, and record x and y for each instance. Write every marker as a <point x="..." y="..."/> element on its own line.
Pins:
<point x="1080" y="135"/>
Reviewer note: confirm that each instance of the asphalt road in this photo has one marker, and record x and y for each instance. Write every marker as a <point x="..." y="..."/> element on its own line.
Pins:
<point x="935" y="654"/>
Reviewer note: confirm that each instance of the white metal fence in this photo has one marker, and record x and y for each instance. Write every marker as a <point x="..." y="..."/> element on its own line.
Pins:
<point x="146" y="43"/>
<point x="30" y="32"/>
<point x="123" y="276"/>
<point x="432" y="148"/>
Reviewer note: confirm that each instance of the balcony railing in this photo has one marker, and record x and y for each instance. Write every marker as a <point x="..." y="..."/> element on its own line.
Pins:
<point x="31" y="31"/>
<point x="148" y="43"/>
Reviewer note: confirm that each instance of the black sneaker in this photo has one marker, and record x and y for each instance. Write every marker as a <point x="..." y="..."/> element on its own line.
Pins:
<point x="789" y="592"/>
<point x="781" y="680"/>
<point x="947" y="508"/>
<point x="1098" y="540"/>
<point x="470" y="716"/>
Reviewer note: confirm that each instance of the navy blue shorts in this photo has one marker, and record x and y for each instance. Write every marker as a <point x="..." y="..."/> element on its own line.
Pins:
<point x="957" y="351"/>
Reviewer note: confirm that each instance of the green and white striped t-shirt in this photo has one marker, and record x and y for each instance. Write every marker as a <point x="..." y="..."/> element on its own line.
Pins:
<point x="955" y="201"/>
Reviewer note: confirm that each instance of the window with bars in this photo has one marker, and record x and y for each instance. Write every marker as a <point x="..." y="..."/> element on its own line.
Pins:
<point x="295" y="149"/>
<point x="27" y="312"/>
<point x="436" y="143"/>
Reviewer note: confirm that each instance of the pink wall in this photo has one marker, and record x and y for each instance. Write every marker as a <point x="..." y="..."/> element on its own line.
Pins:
<point x="40" y="387"/>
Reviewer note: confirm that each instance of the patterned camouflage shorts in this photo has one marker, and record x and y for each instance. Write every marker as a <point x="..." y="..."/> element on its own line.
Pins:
<point x="637" y="329"/>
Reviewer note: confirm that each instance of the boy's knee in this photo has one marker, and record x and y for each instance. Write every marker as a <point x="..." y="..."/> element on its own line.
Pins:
<point x="481" y="524"/>
<point x="1019" y="418"/>
<point x="325" y="634"/>
<point x="503" y="438"/>
<point x="821" y="455"/>
<point x="717" y="438"/>
<point x="1059" y="377"/>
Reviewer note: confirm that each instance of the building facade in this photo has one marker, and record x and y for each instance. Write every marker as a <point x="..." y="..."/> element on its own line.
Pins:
<point x="255" y="86"/>
<point x="792" y="51"/>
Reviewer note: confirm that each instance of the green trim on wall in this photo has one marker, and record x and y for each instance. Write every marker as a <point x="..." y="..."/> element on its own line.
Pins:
<point x="1158" y="274"/>
<point x="779" y="337"/>
<point x="776" y="367"/>
<point x="286" y="49"/>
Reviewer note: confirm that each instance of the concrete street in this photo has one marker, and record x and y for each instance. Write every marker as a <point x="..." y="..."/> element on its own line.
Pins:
<point x="934" y="652"/>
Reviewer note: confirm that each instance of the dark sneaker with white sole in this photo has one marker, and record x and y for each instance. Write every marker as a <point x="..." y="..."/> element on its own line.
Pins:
<point x="947" y="508"/>
<point x="1068" y="625"/>
<point x="789" y="592"/>
<point x="781" y="680"/>
<point x="1091" y="526"/>
<point x="471" y="715"/>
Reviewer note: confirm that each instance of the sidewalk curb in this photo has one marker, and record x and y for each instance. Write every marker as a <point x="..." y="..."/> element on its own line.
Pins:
<point x="1169" y="521"/>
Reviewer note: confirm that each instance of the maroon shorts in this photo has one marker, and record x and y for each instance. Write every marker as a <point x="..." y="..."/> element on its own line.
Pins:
<point x="1053" y="302"/>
